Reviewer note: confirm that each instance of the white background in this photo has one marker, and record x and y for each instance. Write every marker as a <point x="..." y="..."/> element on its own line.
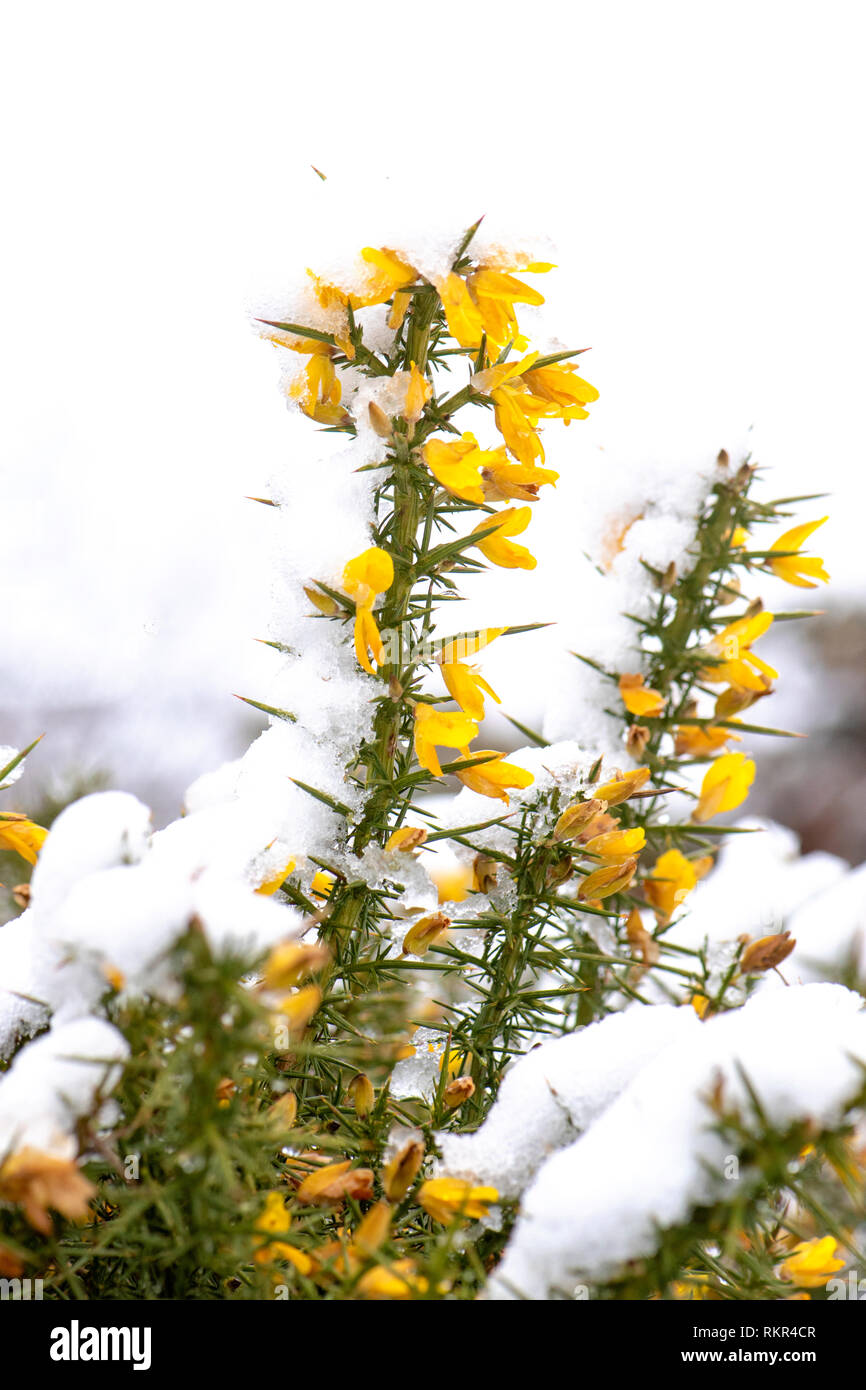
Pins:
<point x="699" y="165"/>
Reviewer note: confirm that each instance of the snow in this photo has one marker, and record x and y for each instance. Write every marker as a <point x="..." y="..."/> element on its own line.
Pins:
<point x="56" y="1080"/>
<point x="653" y="1155"/>
<point x="557" y="1091"/>
<point x="759" y="880"/>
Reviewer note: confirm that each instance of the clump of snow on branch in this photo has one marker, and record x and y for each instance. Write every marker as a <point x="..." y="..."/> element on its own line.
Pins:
<point x="108" y="901"/>
<point x="557" y="1091"/>
<point x="57" y="1080"/>
<point x="655" y="1154"/>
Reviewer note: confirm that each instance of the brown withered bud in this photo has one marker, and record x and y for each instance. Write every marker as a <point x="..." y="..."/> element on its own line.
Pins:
<point x="642" y="943"/>
<point x="284" y="1111"/>
<point x="724" y="459"/>
<point x="225" y="1089"/>
<point x="21" y="894"/>
<point x="380" y="422"/>
<point x="743" y="476"/>
<point x="558" y="873"/>
<point x="485" y="871"/>
<point x="461" y="1089"/>
<point x="729" y="592"/>
<point x="669" y="578"/>
<point x="637" y="738"/>
<point x="766" y="953"/>
<point x="395" y="690"/>
<point x="755" y="607"/>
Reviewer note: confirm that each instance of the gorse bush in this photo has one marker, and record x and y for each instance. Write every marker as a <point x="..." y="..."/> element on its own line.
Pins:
<point x="389" y="1014"/>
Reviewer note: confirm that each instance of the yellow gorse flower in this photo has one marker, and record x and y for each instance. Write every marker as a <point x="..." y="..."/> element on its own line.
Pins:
<point x="318" y="391"/>
<point x="622" y="786"/>
<point x="615" y="846"/>
<point x="464" y="683"/>
<point x="737" y="665"/>
<point x="498" y="548"/>
<point x="811" y="1263"/>
<point x="502" y="481"/>
<point x="418" y="393"/>
<point x="447" y="1198"/>
<point x="467" y="686"/>
<point x="701" y="740"/>
<point x="673" y="878"/>
<point x="638" y="698"/>
<point x="371" y="573"/>
<point x="483" y="304"/>
<point x="270" y="885"/>
<point x="22" y="835"/>
<point x="457" y="464"/>
<point x="609" y="879"/>
<point x="397" y="1281"/>
<point x="491" y="778"/>
<point x="445" y="728"/>
<point x="523" y="394"/>
<point x="725" y="786"/>
<point x="800" y="570"/>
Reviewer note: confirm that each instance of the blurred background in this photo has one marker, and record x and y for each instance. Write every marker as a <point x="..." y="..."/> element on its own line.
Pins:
<point x="700" y="171"/>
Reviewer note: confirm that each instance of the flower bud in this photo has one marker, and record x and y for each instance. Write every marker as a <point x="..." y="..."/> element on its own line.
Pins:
<point x="461" y="1089"/>
<point x="421" y="936"/>
<point x="604" y="882"/>
<point x="766" y="953"/>
<point x="325" y="604"/>
<point x="407" y="837"/>
<point x="362" y="1095"/>
<point x="575" y="817"/>
<point x="622" y="786"/>
<point x="380" y="422"/>
<point x="373" y="1230"/>
<point x="284" y="1111"/>
<point x="485" y="871"/>
<point x="403" y="1169"/>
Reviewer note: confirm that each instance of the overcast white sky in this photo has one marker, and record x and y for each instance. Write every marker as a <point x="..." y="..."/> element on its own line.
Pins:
<point x="700" y="167"/>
